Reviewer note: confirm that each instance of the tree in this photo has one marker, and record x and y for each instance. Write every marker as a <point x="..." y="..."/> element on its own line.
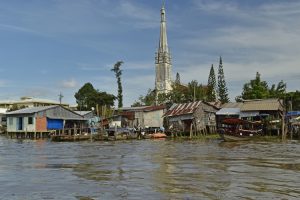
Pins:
<point x="118" y="73"/>
<point x="178" y="94"/>
<point x="256" y="89"/>
<point x="211" y="85"/>
<point x="149" y="99"/>
<point x="196" y="92"/>
<point x="278" y="91"/>
<point x="222" y="88"/>
<point x="84" y="96"/>
<point x="88" y="97"/>
<point x="259" y="89"/>
<point x="293" y="100"/>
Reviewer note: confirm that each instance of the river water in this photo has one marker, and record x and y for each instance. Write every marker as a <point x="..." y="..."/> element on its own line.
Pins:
<point x="149" y="169"/>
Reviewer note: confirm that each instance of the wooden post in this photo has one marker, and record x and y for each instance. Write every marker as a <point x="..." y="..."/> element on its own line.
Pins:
<point x="282" y="126"/>
<point x="63" y="130"/>
<point x="75" y="130"/>
<point x="183" y="128"/>
<point x="80" y="128"/>
<point x="191" y="130"/>
<point x="115" y="132"/>
<point x="91" y="138"/>
<point x="97" y="110"/>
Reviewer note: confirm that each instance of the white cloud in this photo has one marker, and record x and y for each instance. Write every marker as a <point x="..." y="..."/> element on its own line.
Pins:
<point x="9" y="27"/>
<point x="281" y="9"/>
<point x="213" y="6"/>
<point x="144" y="17"/>
<point x="263" y="39"/>
<point x="72" y="83"/>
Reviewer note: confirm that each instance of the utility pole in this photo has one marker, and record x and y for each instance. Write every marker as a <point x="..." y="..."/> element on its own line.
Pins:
<point x="60" y="97"/>
<point x="194" y="93"/>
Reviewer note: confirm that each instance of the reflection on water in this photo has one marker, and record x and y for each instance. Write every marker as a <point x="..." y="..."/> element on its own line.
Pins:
<point x="149" y="169"/>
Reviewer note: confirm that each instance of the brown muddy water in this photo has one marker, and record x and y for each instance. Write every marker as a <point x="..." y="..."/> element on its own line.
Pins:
<point x="149" y="169"/>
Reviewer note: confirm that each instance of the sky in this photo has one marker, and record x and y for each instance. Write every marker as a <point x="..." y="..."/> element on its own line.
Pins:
<point x="56" y="46"/>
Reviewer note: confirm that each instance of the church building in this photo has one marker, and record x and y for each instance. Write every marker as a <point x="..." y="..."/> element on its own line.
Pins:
<point x="163" y="65"/>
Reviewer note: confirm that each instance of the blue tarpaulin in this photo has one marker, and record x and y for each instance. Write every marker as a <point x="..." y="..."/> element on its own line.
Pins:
<point x="293" y="113"/>
<point x="55" y="124"/>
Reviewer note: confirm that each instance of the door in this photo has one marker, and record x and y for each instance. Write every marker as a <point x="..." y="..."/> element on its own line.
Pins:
<point x="20" y="123"/>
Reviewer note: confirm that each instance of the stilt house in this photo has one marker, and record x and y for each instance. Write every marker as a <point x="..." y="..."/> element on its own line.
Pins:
<point x="198" y="117"/>
<point x="43" y="120"/>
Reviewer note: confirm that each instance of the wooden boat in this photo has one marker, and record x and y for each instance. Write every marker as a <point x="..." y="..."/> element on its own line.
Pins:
<point x="234" y="129"/>
<point x="157" y="135"/>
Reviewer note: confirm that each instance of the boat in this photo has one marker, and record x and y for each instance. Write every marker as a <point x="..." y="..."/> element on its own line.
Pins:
<point x="157" y="135"/>
<point x="234" y="129"/>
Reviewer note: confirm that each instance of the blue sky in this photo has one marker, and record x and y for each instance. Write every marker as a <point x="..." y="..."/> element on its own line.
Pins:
<point x="53" y="46"/>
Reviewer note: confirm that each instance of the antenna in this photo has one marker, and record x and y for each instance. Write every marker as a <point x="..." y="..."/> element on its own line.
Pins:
<point x="163" y="3"/>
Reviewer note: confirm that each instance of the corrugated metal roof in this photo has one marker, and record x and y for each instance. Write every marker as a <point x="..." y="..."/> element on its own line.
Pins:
<point x="30" y="110"/>
<point x="82" y="113"/>
<point x="249" y="114"/>
<point x="183" y="109"/>
<point x="260" y="105"/>
<point x="153" y="108"/>
<point x="132" y="108"/>
<point x="216" y="104"/>
<point x="232" y="105"/>
<point x="229" y="111"/>
<point x="143" y="108"/>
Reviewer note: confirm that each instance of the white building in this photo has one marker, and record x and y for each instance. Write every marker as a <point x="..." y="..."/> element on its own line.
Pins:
<point x="29" y="102"/>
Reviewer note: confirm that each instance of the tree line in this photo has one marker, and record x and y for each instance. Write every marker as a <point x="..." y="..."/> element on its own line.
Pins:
<point x="88" y="97"/>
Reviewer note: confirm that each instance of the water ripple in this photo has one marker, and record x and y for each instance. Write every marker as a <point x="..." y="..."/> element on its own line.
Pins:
<point x="149" y="170"/>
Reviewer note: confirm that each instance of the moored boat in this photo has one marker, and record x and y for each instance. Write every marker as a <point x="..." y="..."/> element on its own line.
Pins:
<point x="158" y="135"/>
<point x="234" y="129"/>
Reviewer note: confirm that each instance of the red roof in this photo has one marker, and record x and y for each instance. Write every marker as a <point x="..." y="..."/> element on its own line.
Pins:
<point x="183" y="109"/>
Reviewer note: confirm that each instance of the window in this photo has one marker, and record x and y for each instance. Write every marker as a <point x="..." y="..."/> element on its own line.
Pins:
<point x="3" y="119"/>
<point x="30" y="120"/>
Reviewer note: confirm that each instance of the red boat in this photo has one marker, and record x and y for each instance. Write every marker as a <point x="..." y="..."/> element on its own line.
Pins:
<point x="234" y="129"/>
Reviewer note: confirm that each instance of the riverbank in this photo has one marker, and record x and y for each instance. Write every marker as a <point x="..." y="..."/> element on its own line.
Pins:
<point x="98" y="137"/>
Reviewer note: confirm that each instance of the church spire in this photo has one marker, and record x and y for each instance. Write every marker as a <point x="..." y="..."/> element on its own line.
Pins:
<point x="163" y="65"/>
<point x="163" y="41"/>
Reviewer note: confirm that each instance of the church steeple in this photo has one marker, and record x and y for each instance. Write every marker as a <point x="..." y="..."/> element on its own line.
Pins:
<point x="163" y="41"/>
<point x="163" y="58"/>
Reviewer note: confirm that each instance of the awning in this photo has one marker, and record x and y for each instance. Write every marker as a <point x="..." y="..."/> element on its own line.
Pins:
<point x="293" y="113"/>
<point x="249" y="114"/>
<point x="229" y="111"/>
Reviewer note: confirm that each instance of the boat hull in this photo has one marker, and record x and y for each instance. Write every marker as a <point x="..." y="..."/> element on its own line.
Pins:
<point x="238" y="136"/>
<point x="232" y="138"/>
